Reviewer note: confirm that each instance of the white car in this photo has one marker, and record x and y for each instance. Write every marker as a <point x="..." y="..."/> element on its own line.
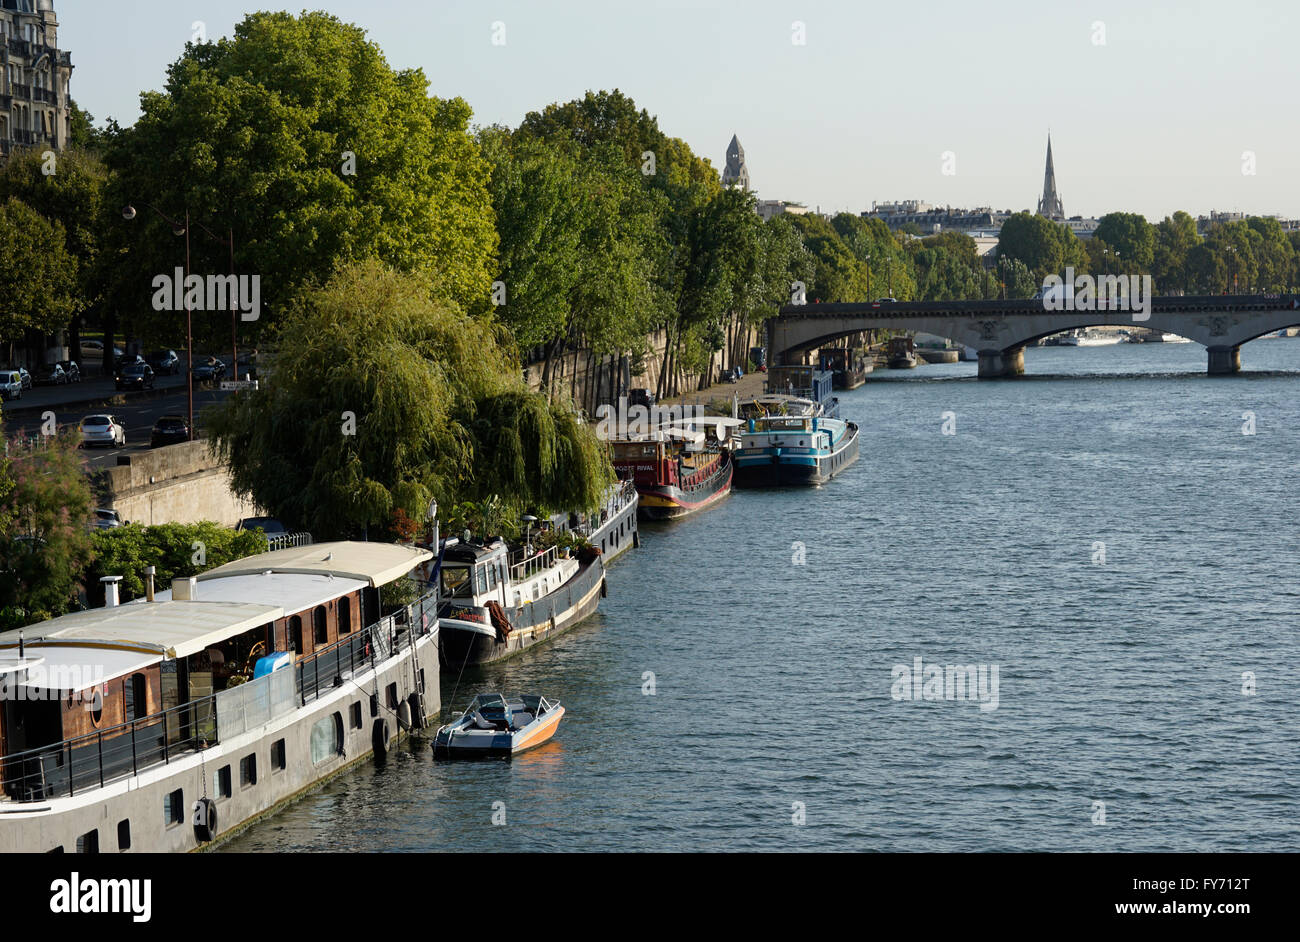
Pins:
<point x="101" y="430"/>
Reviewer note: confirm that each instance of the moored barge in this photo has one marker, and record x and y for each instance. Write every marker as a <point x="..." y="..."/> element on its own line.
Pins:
<point x="163" y="724"/>
<point x="671" y="480"/>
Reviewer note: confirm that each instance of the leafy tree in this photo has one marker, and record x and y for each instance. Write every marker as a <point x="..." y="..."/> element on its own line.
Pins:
<point x="73" y="197"/>
<point x="1131" y="236"/>
<point x="1045" y="247"/>
<point x="38" y="277"/>
<point x="344" y="434"/>
<point x="170" y="549"/>
<point x="45" y="546"/>
<point x="297" y="136"/>
<point x="1175" y="237"/>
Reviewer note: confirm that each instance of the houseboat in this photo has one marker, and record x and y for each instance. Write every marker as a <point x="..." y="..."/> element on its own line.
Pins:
<point x="168" y="723"/>
<point x="848" y="367"/>
<point x="672" y="479"/>
<point x="781" y="450"/>
<point x="611" y="528"/>
<point x="901" y="353"/>
<point x="496" y="602"/>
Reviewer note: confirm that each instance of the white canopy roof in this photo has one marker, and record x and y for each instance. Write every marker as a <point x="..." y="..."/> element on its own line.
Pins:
<point x="372" y="563"/>
<point x="171" y="629"/>
<point x="79" y="667"/>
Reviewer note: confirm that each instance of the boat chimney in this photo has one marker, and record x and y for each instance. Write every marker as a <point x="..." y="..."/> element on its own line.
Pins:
<point x="185" y="589"/>
<point x="110" y="590"/>
<point x="148" y="583"/>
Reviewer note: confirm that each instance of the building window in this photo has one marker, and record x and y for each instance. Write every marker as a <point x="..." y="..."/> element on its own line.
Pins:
<point x="278" y="756"/>
<point x="320" y="627"/>
<point x="223" y="782"/>
<point x="355" y="712"/>
<point x="124" y="834"/>
<point x="327" y="738"/>
<point x="173" y="807"/>
<point x="88" y="843"/>
<point x="248" y="770"/>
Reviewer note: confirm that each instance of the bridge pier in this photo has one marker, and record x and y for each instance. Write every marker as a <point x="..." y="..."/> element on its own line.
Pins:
<point x="1224" y="361"/>
<point x="995" y="364"/>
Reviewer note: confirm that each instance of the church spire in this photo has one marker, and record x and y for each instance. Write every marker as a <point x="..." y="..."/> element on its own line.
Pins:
<point x="1050" y="205"/>
<point x="735" y="173"/>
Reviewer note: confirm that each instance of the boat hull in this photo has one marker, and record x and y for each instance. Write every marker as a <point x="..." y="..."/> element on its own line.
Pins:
<point x="501" y="745"/>
<point x="466" y="636"/>
<point x="799" y="470"/>
<point x="668" y="502"/>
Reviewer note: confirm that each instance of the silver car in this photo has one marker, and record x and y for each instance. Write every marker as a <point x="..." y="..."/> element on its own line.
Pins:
<point x="102" y="430"/>
<point x="11" y="384"/>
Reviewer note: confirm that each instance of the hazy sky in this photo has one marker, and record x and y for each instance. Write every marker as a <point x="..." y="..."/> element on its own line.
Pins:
<point x="1155" y="119"/>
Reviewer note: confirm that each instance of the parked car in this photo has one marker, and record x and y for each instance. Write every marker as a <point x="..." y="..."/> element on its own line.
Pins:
<point x="268" y="525"/>
<point x="210" y="370"/>
<point x="101" y="519"/>
<point x="135" y="376"/>
<point x="101" y="429"/>
<point x="11" y="384"/>
<point x="640" y="397"/>
<point x="24" y="376"/>
<point x="50" y="374"/>
<point x="72" y="370"/>
<point x="164" y="362"/>
<point x="169" y="430"/>
<point x="95" y="350"/>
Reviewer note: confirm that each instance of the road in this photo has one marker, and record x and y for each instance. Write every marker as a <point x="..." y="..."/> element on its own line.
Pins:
<point x="24" y="417"/>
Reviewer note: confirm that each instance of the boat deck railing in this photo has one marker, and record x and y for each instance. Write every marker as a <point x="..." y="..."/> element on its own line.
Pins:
<point x="93" y="760"/>
<point x="530" y="565"/>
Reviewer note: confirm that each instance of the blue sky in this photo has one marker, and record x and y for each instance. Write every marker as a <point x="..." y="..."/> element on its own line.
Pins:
<point x="1154" y="120"/>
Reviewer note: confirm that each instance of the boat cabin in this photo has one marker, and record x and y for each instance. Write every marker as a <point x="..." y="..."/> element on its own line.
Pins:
<point x="144" y="675"/>
<point x="807" y="382"/>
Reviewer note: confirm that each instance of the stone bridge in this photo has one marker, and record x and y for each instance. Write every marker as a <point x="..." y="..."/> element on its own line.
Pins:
<point x="1000" y="330"/>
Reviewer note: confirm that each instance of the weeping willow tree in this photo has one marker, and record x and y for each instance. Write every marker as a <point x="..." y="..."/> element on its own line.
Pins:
<point x="380" y="397"/>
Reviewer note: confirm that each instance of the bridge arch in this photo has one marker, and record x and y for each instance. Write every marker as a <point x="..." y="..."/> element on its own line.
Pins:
<point x="1000" y="330"/>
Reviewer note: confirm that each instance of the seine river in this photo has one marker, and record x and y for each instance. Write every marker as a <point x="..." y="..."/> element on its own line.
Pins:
<point x="1100" y="532"/>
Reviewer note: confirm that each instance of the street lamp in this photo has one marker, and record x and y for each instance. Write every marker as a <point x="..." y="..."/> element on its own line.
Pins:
<point x="529" y="520"/>
<point x="128" y="213"/>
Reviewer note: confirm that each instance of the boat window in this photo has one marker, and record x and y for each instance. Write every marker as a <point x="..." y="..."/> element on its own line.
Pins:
<point x="480" y="579"/>
<point x="319" y="625"/>
<point x="345" y="615"/>
<point x="455" y="582"/>
<point x="326" y="738"/>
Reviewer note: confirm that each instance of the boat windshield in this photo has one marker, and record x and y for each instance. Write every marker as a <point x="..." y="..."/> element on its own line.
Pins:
<point x="455" y="582"/>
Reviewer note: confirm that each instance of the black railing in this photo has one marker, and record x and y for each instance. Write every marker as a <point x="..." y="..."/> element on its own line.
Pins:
<point x="91" y="761"/>
<point x="331" y="666"/>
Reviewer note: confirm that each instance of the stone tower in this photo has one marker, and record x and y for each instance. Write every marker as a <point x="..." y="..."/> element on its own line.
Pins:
<point x="1050" y="205"/>
<point x="735" y="173"/>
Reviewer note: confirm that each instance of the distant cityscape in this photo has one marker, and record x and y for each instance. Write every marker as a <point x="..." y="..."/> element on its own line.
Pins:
<point x="982" y="223"/>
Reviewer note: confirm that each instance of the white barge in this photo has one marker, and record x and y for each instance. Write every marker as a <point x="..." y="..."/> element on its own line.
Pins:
<point x="164" y="724"/>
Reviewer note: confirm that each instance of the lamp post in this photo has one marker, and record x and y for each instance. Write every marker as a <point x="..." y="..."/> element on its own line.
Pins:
<point x="529" y="520"/>
<point x="179" y="229"/>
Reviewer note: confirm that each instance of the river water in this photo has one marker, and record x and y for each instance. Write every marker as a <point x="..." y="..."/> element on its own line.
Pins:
<point x="1100" y="531"/>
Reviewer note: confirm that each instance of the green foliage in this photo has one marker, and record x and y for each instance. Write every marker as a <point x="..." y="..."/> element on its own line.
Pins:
<point x="175" y="550"/>
<point x="1131" y="237"/>
<point x="430" y="405"/>
<point x="45" y="546"/>
<point x="251" y="135"/>
<point x="38" y="277"/>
